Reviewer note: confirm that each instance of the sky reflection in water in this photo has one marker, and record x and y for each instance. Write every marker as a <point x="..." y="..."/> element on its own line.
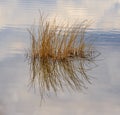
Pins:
<point x="102" y="97"/>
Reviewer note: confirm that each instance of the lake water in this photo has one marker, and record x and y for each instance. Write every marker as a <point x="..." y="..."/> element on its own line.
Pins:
<point x="102" y="97"/>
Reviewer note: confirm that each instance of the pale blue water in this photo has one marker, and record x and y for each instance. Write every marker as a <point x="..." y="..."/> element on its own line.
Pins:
<point x="101" y="98"/>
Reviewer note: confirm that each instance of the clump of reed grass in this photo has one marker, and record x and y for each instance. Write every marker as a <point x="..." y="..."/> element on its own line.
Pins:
<point x="59" y="55"/>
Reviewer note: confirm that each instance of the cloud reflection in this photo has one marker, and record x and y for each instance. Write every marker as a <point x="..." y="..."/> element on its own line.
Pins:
<point x="102" y="97"/>
<point x="106" y="14"/>
<point x="12" y="42"/>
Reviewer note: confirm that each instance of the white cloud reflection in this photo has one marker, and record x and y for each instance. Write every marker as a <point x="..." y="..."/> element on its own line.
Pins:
<point x="105" y="13"/>
<point x="102" y="97"/>
<point x="12" y="42"/>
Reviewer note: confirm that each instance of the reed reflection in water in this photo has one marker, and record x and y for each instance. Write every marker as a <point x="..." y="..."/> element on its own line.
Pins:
<point x="60" y="56"/>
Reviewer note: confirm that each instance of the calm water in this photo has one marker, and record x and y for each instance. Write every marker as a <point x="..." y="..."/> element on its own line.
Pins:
<point x="101" y="98"/>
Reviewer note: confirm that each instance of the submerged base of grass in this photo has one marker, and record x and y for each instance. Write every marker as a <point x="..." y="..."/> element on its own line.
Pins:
<point x="59" y="56"/>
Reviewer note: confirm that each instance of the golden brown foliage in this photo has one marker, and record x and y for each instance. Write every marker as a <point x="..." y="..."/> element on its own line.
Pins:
<point x="58" y="55"/>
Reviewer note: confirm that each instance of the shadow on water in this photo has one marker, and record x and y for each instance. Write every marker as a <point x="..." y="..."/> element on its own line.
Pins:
<point x="59" y="56"/>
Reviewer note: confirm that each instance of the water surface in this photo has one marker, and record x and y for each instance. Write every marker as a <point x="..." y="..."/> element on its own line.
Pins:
<point x="102" y="97"/>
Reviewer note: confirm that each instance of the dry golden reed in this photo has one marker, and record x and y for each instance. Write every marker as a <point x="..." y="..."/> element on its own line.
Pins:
<point x="59" y="55"/>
